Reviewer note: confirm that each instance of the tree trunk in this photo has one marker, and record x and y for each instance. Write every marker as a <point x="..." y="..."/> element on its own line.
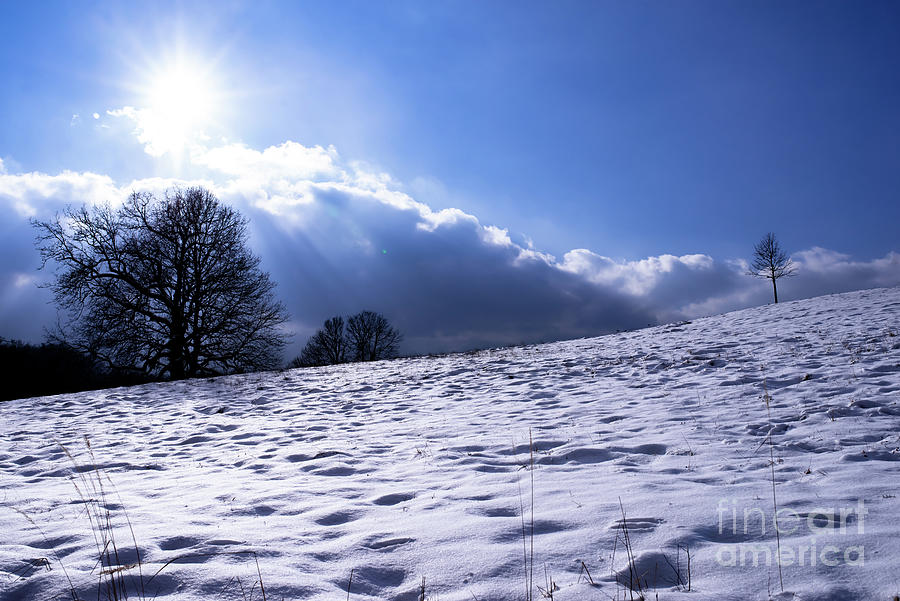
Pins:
<point x="177" y="359"/>
<point x="176" y="363"/>
<point x="775" y="290"/>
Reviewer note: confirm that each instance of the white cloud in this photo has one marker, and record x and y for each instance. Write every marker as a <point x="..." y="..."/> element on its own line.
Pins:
<point x="289" y="161"/>
<point x="635" y="277"/>
<point x="159" y="133"/>
<point x="819" y="261"/>
<point x="22" y="280"/>
<point x="495" y="235"/>
<point x="32" y="194"/>
<point x="431" y="220"/>
<point x="821" y="271"/>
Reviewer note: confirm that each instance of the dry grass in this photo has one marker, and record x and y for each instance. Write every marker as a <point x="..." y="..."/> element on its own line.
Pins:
<point x="119" y="576"/>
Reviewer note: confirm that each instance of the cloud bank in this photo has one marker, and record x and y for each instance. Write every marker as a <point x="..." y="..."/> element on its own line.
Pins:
<point x="340" y="237"/>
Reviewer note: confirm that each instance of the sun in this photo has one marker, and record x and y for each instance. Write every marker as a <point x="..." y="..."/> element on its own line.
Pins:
<point x="183" y="95"/>
<point x="180" y="101"/>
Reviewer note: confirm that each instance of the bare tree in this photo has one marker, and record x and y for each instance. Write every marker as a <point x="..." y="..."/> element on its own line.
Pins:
<point x="770" y="262"/>
<point x="163" y="286"/>
<point x="328" y="346"/>
<point x="370" y="337"/>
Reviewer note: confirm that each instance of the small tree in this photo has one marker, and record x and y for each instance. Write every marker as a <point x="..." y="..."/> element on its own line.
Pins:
<point x="770" y="262"/>
<point x="370" y="337"/>
<point x="328" y="346"/>
<point x="164" y="286"/>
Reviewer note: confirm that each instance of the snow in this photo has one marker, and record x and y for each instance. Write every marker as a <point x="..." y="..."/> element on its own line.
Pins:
<point x="422" y="467"/>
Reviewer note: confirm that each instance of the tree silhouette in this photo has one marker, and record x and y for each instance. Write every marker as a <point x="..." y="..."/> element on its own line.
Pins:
<point x="770" y="262"/>
<point x="163" y="286"/>
<point x="370" y="337"/>
<point x="367" y="336"/>
<point x="328" y="346"/>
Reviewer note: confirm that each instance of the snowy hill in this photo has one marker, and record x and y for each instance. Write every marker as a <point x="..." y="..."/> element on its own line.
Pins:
<point x="422" y="468"/>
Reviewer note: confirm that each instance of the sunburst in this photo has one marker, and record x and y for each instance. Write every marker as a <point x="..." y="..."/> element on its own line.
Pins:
<point x="179" y="101"/>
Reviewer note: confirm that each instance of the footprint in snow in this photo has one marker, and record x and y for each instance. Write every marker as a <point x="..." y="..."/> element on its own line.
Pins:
<point x="643" y="449"/>
<point x="514" y="533"/>
<point x="336" y="470"/>
<point x="393" y="499"/>
<point x="637" y="524"/>
<point x="656" y="571"/>
<point x="584" y="456"/>
<point x="176" y="543"/>
<point x="378" y="543"/>
<point x="337" y="518"/>
<point x="495" y="512"/>
<point x="372" y="581"/>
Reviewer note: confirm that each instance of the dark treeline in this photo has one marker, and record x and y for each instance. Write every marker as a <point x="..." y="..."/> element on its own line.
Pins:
<point x="28" y="370"/>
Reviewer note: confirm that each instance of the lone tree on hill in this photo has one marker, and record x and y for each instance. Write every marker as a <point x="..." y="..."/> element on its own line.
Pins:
<point x="770" y="262"/>
<point x="163" y="286"/>
<point x="367" y="336"/>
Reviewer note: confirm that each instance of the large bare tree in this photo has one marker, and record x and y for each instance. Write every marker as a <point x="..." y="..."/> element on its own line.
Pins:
<point x="165" y="286"/>
<point x="770" y="262"/>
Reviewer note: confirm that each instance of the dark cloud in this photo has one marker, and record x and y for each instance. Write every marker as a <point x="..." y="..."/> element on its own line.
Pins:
<point x="339" y="238"/>
<point x="446" y="289"/>
<point x="25" y="309"/>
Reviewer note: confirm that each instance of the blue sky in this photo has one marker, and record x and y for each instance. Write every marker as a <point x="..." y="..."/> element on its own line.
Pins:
<point x="631" y="131"/>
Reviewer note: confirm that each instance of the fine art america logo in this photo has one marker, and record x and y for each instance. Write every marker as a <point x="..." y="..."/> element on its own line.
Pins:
<point x="819" y="532"/>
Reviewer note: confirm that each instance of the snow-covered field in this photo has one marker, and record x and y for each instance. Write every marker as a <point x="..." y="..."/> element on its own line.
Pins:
<point x="421" y="468"/>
